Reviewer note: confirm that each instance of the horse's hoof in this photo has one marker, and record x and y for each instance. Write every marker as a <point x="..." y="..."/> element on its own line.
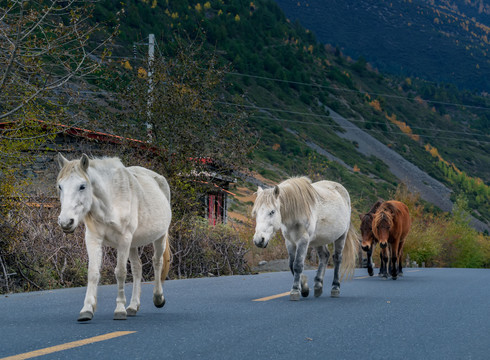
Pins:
<point x="318" y="291"/>
<point x="159" y="300"/>
<point x="294" y="295"/>
<point x="335" y="292"/>
<point x="85" y="316"/>
<point x="119" y="315"/>
<point x="394" y="277"/>
<point x="305" y="290"/>
<point x="131" y="311"/>
<point x="400" y="274"/>
<point x="370" y="272"/>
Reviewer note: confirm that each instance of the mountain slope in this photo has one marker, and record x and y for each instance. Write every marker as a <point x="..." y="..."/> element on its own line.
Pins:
<point x="437" y="40"/>
<point x="295" y="88"/>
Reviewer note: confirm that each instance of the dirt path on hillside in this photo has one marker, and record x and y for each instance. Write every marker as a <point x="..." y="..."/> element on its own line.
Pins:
<point x="416" y="180"/>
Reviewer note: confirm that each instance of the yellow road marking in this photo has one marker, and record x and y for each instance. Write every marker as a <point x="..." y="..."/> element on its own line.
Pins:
<point x="67" y="346"/>
<point x="362" y="277"/>
<point x="268" y="298"/>
<point x="272" y="297"/>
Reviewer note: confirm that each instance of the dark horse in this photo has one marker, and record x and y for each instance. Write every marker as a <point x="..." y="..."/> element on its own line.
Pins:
<point x="391" y="224"/>
<point x="369" y="241"/>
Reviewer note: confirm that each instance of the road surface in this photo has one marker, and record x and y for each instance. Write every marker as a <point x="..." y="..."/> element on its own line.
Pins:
<point x="427" y="314"/>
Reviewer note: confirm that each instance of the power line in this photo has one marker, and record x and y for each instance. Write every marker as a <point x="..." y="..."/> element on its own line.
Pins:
<point x="356" y="91"/>
<point x="338" y="117"/>
<point x="373" y="130"/>
<point x="336" y="88"/>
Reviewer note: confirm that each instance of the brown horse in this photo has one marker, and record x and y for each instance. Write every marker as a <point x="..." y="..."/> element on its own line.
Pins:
<point x="369" y="241"/>
<point x="391" y="224"/>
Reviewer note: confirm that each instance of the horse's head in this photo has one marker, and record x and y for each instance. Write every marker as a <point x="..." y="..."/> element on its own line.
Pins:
<point x="382" y="222"/>
<point x="267" y="215"/>
<point x="75" y="192"/>
<point x="367" y="235"/>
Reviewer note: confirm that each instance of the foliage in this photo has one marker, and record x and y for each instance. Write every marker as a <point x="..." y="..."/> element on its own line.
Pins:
<point x="46" y="54"/>
<point x="177" y="107"/>
<point x="36" y="255"/>
<point x="443" y="241"/>
<point x="199" y="249"/>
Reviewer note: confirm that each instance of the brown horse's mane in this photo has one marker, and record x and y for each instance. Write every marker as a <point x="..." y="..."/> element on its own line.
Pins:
<point x="385" y="214"/>
<point x="367" y="219"/>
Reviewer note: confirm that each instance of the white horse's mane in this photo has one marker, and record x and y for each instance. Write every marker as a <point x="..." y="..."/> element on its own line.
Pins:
<point x="296" y="195"/>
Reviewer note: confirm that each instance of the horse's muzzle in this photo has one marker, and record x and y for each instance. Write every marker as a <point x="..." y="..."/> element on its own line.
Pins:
<point x="261" y="243"/>
<point x="366" y="248"/>
<point x="68" y="227"/>
<point x="383" y="245"/>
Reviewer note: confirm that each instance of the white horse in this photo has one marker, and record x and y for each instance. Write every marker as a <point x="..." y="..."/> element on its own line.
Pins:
<point x="124" y="208"/>
<point x="308" y="215"/>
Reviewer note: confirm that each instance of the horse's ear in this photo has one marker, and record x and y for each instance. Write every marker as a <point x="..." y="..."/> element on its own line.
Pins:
<point x="61" y="161"/>
<point x="276" y="191"/>
<point x="84" y="162"/>
<point x="259" y="190"/>
<point x="361" y="216"/>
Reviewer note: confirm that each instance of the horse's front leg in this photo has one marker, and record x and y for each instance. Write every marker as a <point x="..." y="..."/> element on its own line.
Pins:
<point x="94" y="251"/>
<point x="120" y="271"/>
<point x="300" y="281"/>
<point x="383" y="255"/>
<point x="136" y="270"/>
<point x="394" y="260"/>
<point x="370" y="259"/>
<point x="323" y="255"/>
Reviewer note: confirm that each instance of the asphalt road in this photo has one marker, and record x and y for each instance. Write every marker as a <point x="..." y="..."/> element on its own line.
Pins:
<point x="427" y="314"/>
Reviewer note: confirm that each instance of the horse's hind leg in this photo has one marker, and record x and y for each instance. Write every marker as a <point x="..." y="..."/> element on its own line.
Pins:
<point x="400" y="258"/>
<point x="337" y="260"/>
<point x="159" y="247"/>
<point x="136" y="270"/>
<point x="323" y="255"/>
<point x="122" y="261"/>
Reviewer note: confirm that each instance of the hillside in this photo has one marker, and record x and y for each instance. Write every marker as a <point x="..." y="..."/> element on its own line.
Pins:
<point x="441" y="41"/>
<point x="296" y="89"/>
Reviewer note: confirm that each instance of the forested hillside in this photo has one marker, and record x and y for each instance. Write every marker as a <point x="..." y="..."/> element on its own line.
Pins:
<point x="438" y="40"/>
<point x="287" y="78"/>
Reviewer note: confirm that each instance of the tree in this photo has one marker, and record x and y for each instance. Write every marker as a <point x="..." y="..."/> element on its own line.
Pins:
<point x="182" y="107"/>
<point x="47" y="53"/>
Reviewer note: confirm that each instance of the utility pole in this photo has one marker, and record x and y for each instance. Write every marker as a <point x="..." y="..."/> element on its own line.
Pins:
<point x="151" y="59"/>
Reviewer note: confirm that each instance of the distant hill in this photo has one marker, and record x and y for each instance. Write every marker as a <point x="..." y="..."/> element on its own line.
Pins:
<point x="437" y="40"/>
<point x="298" y="91"/>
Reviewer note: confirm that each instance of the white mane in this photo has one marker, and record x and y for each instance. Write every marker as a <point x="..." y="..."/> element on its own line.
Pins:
<point x="296" y="196"/>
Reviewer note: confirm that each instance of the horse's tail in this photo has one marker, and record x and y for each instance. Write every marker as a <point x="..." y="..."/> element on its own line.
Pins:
<point x="350" y="253"/>
<point x="166" y="258"/>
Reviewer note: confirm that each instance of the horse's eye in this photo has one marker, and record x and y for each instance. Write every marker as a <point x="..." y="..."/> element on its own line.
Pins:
<point x="82" y="187"/>
<point x="59" y="187"/>
<point x="272" y="212"/>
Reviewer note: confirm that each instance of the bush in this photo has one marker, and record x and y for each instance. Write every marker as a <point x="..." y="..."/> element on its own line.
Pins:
<point x="36" y="255"/>
<point x="199" y="249"/>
